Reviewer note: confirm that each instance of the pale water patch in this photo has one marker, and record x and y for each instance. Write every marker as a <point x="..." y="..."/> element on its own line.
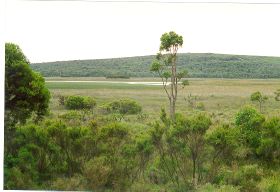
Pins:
<point x="118" y="82"/>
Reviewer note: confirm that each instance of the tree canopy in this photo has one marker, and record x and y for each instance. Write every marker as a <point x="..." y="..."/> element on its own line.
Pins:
<point x="165" y="66"/>
<point x="25" y="91"/>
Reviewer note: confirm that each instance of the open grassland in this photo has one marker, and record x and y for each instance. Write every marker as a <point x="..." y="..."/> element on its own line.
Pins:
<point x="222" y="98"/>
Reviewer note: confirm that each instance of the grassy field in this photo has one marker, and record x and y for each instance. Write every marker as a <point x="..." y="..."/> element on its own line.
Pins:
<point x="222" y="98"/>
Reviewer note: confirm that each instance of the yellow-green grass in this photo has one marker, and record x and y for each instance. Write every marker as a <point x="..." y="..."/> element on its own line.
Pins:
<point x="221" y="97"/>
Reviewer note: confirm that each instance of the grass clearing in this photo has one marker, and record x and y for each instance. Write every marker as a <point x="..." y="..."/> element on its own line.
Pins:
<point x="221" y="97"/>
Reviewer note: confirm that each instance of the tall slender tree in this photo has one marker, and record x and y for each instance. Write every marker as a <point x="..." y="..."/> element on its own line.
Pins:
<point x="165" y="66"/>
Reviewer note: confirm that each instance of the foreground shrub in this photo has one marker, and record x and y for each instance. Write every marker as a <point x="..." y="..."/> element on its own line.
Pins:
<point x="270" y="184"/>
<point x="212" y="188"/>
<point x="97" y="173"/>
<point x="76" y="182"/>
<point x="123" y="106"/>
<point x="246" y="177"/>
<point x="79" y="102"/>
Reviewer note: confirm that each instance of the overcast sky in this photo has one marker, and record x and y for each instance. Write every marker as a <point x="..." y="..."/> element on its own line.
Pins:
<point x="67" y="30"/>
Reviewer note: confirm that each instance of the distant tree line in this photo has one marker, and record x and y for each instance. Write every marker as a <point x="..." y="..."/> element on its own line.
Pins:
<point x="200" y="65"/>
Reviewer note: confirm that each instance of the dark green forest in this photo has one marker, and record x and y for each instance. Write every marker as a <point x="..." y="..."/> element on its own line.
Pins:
<point x="200" y="65"/>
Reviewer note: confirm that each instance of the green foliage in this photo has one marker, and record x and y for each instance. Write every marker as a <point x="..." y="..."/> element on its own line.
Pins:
<point x="277" y="95"/>
<point x="25" y="95"/>
<point x="250" y="123"/>
<point x="170" y="40"/>
<point x="249" y="117"/>
<point x="77" y="182"/>
<point x="269" y="147"/>
<point x="223" y="140"/>
<point x="185" y="83"/>
<point x="97" y="172"/>
<point x="200" y="106"/>
<point x="222" y="188"/>
<point x="247" y="177"/>
<point x="16" y="179"/>
<point x="113" y="76"/>
<point x="166" y="68"/>
<point x="191" y="100"/>
<point x="199" y="65"/>
<point x="25" y="91"/>
<point x="180" y="145"/>
<point x="257" y="96"/>
<point x="107" y="152"/>
<point x="270" y="184"/>
<point x="79" y="102"/>
<point x="123" y="106"/>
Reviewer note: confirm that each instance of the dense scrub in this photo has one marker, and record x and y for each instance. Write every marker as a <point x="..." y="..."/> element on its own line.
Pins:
<point x="95" y="151"/>
<point x="198" y="65"/>
<point x="115" y="146"/>
<point x="123" y="106"/>
<point x="79" y="102"/>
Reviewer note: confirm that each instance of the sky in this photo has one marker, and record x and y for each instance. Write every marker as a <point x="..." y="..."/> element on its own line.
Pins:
<point x="75" y="30"/>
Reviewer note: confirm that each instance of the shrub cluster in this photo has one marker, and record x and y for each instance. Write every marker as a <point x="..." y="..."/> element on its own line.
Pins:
<point x="79" y="102"/>
<point x="123" y="106"/>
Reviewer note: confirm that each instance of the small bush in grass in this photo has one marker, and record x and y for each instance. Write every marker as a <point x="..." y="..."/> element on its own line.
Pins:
<point x="79" y="102"/>
<point x="221" y="188"/>
<point x="71" y="115"/>
<point x="270" y="184"/>
<point x="123" y="106"/>
<point x="61" y="100"/>
<point x="200" y="106"/>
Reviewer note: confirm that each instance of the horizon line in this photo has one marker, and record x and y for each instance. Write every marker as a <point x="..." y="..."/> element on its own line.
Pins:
<point x="152" y="55"/>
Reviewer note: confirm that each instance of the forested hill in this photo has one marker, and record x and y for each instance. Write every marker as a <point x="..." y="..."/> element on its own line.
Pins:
<point x="198" y="64"/>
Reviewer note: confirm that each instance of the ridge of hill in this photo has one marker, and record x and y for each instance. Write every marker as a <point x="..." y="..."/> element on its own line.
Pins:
<point x="199" y="65"/>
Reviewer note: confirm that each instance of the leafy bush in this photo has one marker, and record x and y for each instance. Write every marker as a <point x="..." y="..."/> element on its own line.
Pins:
<point x="79" y="102"/>
<point x="76" y="182"/>
<point x="200" y="106"/>
<point x="97" y="172"/>
<point x="246" y="177"/>
<point x="123" y="106"/>
<point x="269" y="147"/>
<point x="222" y="188"/>
<point x="270" y="184"/>
<point x="250" y="123"/>
<point x="71" y="115"/>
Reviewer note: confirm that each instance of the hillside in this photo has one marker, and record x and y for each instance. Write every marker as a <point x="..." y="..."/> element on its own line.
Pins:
<point x="198" y="64"/>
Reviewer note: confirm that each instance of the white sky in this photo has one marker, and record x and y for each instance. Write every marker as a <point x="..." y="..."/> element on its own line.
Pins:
<point x="66" y="30"/>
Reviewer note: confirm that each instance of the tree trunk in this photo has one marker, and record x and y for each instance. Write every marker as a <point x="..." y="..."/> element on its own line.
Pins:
<point x="194" y="170"/>
<point x="173" y="91"/>
<point x="171" y="108"/>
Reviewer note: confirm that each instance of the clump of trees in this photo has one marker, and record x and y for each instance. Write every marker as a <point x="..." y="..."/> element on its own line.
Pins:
<point x="79" y="102"/>
<point x="190" y="153"/>
<point x="199" y="65"/>
<point x="25" y="93"/>
<point x="123" y="107"/>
